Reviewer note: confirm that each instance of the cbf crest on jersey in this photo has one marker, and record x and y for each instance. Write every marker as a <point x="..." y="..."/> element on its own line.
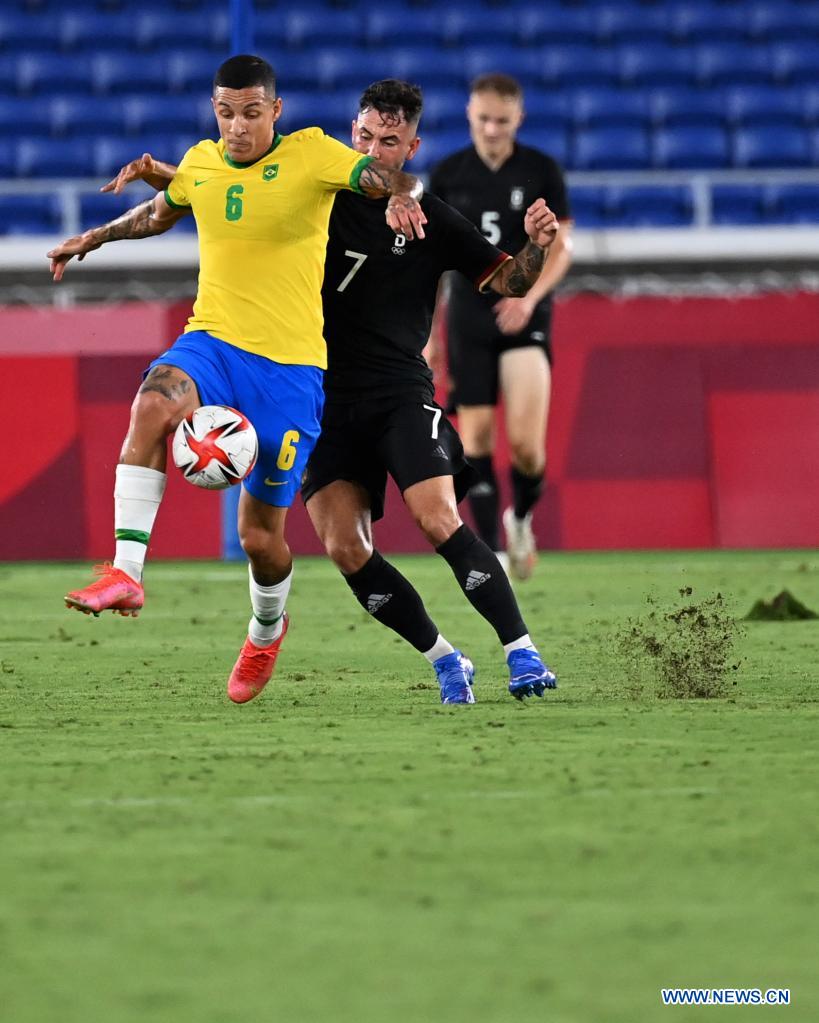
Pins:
<point x="271" y="170"/>
<point x="399" y="246"/>
<point x="516" y="199"/>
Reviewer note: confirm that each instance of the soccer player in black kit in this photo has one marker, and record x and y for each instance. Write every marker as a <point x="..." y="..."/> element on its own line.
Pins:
<point x="380" y="416"/>
<point x="502" y="344"/>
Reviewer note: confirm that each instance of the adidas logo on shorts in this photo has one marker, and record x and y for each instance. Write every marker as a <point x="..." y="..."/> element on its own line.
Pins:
<point x="375" y="601"/>
<point x="439" y="452"/>
<point x="476" y="579"/>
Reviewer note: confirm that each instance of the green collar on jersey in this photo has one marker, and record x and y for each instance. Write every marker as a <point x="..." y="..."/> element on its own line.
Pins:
<point x="240" y="166"/>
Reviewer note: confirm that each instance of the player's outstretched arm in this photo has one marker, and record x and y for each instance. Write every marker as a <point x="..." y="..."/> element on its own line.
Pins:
<point x="515" y="277"/>
<point x="404" y="213"/>
<point x="156" y="173"/>
<point x="154" y="216"/>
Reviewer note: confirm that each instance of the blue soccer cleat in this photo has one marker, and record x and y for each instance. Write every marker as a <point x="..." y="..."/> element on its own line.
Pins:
<point x="455" y="673"/>
<point x="528" y="675"/>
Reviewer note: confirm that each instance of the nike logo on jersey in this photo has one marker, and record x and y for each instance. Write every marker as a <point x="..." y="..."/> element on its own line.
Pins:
<point x="273" y="483"/>
<point x="201" y="182"/>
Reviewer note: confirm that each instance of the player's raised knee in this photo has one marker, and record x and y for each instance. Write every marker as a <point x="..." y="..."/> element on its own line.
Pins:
<point x="438" y="524"/>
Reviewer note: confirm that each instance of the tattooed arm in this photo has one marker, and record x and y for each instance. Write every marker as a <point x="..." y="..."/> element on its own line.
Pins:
<point x="516" y="276"/>
<point x="404" y="213"/>
<point x="154" y="216"/>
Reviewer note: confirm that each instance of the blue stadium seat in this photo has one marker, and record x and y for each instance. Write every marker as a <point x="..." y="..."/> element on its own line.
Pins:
<point x="589" y="206"/>
<point x="437" y="145"/>
<point x="397" y="26"/>
<point x="651" y="206"/>
<point x="331" y="111"/>
<point x="553" y="140"/>
<point x="732" y="63"/>
<point x="547" y="108"/>
<point x="23" y="32"/>
<point x="772" y="146"/>
<point x="323" y="27"/>
<point x="738" y="204"/>
<point x="50" y="158"/>
<point x="527" y="65"/>
<point x="655" y="65"/>
<point x="186" y="115"/>
<point x="462" y="26"/>
<point x="809" y="100"/>
<point x="690" y="146"/>
<point x="36" y="114"/>
<point x="40" y="73"/>
<point x="163" y="30"/>
<point x="30" y="214"/>
<point x="119" y="73"/>
<point x="783" y="20"/>
<point x="674" y="105"/>
<point x="340" y="67"/>
<point x="577" y="65"/>
<point x="444" y="107"/>
<point x="545" y="26"/>
<point x="270" y="30"/>
<point x="708" y="23"/>
<point x="8" y="158"/>
<point x="611" y="148"/>
<point x="86" y="30"/>
<point x="796" y="61"/>
<point x="190" y="71"/>
<point x="597" y="107"/>
<point x="765" y="104"/>
<point x="82" y="115"/>
<point x="624" y="23"/>
<point x="794" y="204"/>
<point x="417" y="64"/>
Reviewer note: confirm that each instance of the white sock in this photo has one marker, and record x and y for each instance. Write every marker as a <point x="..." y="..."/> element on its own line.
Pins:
<point x="524" y="643"/>
<point x="268" y="602"/>
<point x="441" y="649"/>
<point x="137" y="494"/>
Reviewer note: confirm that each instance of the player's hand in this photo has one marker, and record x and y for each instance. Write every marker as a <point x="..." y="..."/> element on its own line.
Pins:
<point x="157" y="174"/>
<point x="541" y="224"/>
<point x="80" y="245"/>
<point x="405" y="216"/>
<point x="512" y="315"/>
<point x="433" y="355"/>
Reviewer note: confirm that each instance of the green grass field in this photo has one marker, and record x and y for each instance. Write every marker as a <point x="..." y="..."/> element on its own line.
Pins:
<point x="347" y="849"/>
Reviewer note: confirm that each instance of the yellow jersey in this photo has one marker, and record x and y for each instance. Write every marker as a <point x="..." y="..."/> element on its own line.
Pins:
<point x="262" y="240"/>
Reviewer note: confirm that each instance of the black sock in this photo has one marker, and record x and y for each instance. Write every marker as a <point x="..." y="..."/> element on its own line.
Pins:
<point x="385" y="594"/>
<point x="483" y="500"/>
<point x="484" y="582"/>
<point x="526" y="491"/>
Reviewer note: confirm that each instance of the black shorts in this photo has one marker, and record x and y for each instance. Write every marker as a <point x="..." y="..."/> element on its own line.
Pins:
<point x="409" y="439"/>
<point x="475" y="346"/>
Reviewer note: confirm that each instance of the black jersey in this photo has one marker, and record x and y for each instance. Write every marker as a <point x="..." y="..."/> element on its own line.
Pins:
<point x="496" y="201"/>
<point x="379" y="294"/>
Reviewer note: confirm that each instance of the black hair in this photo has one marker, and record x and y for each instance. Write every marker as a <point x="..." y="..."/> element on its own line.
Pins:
<point x="392" y="96"/>
<point x="245" y="71"/>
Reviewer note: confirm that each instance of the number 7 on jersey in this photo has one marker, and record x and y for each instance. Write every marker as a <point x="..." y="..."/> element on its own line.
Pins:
<point x="359" y="258"/>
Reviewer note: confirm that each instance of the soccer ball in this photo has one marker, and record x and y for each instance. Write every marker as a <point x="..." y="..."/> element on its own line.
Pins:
<point x="215" y="447"/>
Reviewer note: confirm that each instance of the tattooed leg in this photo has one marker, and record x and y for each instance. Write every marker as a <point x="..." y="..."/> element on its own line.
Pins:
<point x="166" y="396"/>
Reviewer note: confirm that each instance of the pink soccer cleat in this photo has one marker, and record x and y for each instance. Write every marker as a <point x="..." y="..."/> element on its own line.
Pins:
<point x="113" y="591"/>
<point x="253" y="669"/>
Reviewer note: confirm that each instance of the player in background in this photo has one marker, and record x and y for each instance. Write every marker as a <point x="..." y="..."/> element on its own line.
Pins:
<point x="262" y="202"/>
<point x="502" y="344"/>
<point x="380" y="415"/>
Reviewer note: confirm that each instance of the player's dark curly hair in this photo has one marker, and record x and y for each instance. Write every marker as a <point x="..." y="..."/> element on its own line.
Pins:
<point x="392" y="96"/>
<point x="245" y="71"/>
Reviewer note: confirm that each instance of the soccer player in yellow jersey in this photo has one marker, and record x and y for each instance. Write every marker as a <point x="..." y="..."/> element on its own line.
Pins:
<point x="262" y="203"/>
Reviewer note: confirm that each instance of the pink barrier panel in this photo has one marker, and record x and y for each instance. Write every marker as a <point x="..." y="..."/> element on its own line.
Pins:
<point x="675" y="423"/>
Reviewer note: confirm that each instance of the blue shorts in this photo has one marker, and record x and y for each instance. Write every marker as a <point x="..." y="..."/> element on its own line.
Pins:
<point x="283" y="402"/>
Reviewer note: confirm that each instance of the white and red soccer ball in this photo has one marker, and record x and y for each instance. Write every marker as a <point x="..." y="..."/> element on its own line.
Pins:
<point x="215" y="447"/>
